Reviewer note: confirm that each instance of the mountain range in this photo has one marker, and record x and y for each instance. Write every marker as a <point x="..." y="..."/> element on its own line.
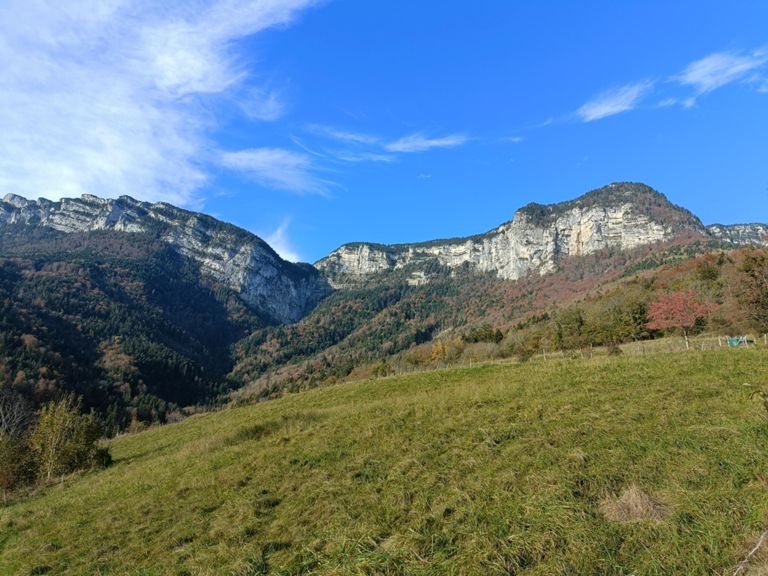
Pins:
<point x="146" y="308"/>
<point x="620" y="215"/>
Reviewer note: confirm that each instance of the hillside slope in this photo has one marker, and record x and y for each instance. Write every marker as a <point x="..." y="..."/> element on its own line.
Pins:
<point x="494" y="470"/>
<point x="389" y="320"/>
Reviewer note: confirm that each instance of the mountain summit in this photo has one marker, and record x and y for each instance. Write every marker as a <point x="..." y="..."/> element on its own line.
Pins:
<point x="622" y="215"/>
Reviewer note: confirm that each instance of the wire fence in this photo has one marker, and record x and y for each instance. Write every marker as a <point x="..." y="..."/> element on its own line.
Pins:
<point x="668" y="344"/>
<point x="701" y="343"/>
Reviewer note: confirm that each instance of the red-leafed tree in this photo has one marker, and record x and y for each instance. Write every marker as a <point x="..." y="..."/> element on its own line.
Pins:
<point x="677" y="310"/>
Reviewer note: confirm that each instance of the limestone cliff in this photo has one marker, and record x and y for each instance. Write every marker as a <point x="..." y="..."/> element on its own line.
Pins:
<point x="755" y="234"/>
<point x="227" y="254"/>
<point x="622" y="216"/>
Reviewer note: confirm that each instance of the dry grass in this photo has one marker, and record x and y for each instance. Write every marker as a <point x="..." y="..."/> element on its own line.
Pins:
<point x="633" y="505"/>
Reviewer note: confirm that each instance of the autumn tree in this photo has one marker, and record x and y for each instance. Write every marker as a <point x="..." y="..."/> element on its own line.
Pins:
<point x="678" y="310"/>
<point x="753" y="289"/>
<point x="619" y="318"/>
<point x="569" y="329"/>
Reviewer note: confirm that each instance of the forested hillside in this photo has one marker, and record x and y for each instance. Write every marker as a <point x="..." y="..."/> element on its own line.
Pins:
<point x="604" y="299"/>
<point x="118" y="318"/>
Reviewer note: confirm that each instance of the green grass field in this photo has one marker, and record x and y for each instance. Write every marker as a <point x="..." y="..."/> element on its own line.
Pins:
<point x="491" y="470"/>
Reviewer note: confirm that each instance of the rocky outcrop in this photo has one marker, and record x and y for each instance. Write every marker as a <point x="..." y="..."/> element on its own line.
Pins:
<point x="229" y="255"/>
<point x="621" y="216"/>
<point x="754" y="234"/>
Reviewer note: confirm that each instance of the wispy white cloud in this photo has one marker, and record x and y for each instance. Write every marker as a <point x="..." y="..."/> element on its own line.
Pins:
<point x="280" y="243"/>
<point x="277" y="168"/>
<point x="342" y="135"/>
<point x="514" y="139"/>
<point x="424" y="176"/>
<point x="615" y="101"/>
<point x="354" y="156"/>
<point x="719" y="69"/>
<point x="420" y="143"/>
<point x="104" y="97"/>
<point x="356" y="146"/>
<point x="262" y="104"/>
<point x="307" y="149"/>
<point x="702" y="76"/>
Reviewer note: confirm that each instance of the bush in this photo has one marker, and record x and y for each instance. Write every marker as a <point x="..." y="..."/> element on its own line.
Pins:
<point x="16" y="463"/>
<point x="65" y="440"/>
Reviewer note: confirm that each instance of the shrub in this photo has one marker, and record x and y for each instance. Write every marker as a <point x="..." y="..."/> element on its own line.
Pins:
<point x="65" y="440"/>
<point x="16" y="463"/>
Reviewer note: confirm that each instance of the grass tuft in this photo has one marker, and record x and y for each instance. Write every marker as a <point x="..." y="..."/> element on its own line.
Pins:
<point x="632" y="506"/>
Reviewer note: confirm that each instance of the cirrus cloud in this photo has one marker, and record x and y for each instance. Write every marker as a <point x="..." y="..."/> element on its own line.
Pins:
<point x="109" y="98"/>
<point x="277" y="168"/>
<point x="718" y="69"/>
<point x="420" y="143"/>
<point x="615" y="101"/>
<point x="280" y="243"/>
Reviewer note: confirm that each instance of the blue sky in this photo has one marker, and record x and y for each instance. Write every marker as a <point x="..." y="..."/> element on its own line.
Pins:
<point x="319" y="123"/>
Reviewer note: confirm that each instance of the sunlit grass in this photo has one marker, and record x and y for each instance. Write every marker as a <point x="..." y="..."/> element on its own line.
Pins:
<point x="485" y="470"/>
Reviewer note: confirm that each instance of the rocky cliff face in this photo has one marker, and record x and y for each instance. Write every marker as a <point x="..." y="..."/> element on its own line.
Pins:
<point x="621" y="216"/>
<point x="225" y="253"/>
<point x="754" y="234"/>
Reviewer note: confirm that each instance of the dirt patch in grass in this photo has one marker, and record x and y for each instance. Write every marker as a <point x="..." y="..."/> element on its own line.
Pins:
<point x="632" y="506"/>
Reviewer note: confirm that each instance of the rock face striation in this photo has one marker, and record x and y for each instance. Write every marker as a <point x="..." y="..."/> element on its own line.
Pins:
<point x="621" y="215"/>
<point x="755" y="234"/>
<point x="229" y="255"/>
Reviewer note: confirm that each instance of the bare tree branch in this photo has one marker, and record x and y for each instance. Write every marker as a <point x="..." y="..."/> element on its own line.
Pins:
<point x="15" y="414"/>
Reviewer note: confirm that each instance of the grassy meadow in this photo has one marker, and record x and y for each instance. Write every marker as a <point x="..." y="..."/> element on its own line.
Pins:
<point x="607" y="465"/>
